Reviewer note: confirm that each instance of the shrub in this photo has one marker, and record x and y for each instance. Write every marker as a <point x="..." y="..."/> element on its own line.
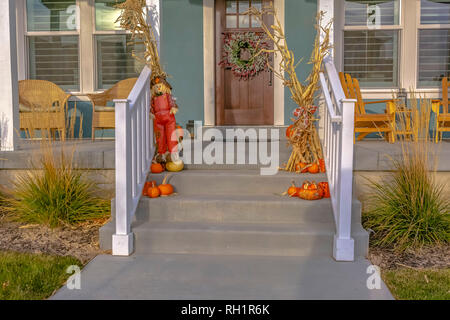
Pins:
<point x="408" y="209"/>
<point x="55" y="193"/>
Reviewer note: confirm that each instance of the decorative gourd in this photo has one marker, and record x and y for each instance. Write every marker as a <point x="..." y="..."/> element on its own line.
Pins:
<point x="313" y="168"/>
<point x="174" y="166"/>
<point x="289" y="131"/>
<point x="153" y="191"/>
<point x="325" y="188"/>
<point x="322" y="165"/>
<point x="310" y="191"/>
<point x="165" y="188"/>
<point x="301" y="167"/>
<point x="293" y="190"/>
<point x="156" y="168"/>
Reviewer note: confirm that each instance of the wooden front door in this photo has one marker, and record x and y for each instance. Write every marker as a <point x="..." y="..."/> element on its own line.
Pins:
<point x="238" y="101"/>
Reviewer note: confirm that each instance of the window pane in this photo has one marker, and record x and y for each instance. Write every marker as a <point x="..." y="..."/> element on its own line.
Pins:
<point x="231" y="6"/>
<point x="244" y="21"/>
<point x="115" y="61"/>
<point x="435" y="12"/>
<point x="244" y="5"/>
<point x="257" y="4"/>
<point x="231" y="22"/>
<point x="106" y="14"/>
<point x="434" y="57"/>
<point x="372" y="57"/>
<point x="55" y="58"/>
<point x="50" y="15"/>
<point x="371" y="12"/>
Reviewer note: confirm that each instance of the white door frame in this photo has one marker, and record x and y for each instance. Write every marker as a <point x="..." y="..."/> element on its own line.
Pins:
<point x="209" y="67"/>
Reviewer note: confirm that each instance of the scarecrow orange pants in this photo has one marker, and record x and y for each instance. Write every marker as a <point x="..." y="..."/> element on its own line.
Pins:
<point x="165" y="132"/>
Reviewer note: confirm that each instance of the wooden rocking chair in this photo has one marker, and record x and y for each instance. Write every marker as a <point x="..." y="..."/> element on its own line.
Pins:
<point x="369" y="123"/>
<point x="442" y="118"/>
<point x="103" y="116"/>
<point x="42" y="106"/>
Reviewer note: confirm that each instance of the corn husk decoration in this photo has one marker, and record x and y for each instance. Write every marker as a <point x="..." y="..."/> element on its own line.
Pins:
<point x="133" y="19"/>
<point x="304" y="138"/>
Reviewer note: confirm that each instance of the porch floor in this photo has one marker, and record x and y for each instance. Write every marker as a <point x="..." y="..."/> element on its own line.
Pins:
<point x="172" y="276"/>
<point x="370" y="155"/>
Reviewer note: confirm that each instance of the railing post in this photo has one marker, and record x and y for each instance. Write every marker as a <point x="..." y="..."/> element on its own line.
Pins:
<point x="344" y="245"/>
<point x="122" y="241"/>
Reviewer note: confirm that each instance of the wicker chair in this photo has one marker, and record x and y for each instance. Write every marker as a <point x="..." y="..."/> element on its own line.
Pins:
<point x="103" y="116"/>
<point x="42" y="106"/>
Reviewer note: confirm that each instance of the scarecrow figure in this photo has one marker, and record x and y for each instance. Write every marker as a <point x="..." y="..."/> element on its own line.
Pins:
<point x="163" y="110"/>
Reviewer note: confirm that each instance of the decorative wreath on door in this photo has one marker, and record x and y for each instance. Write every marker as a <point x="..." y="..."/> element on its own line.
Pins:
<point x="240" y="53"/>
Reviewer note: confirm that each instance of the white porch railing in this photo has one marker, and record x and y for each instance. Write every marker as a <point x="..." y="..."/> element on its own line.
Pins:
<point x="134" y="153"/>
<point x="338" y="152"/>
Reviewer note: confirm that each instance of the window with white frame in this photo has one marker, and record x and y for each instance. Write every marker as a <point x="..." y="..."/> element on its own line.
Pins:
<point x="380" y="37"/>
<point x="53" y="42"/>
<point x="56" y="52"/>
<point x="434" y="42"/>
<point x="114" y="48"/>
<point x="371" y="42"/>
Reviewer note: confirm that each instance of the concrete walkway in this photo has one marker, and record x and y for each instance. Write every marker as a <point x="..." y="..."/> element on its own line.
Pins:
<point x="170" y="276"/>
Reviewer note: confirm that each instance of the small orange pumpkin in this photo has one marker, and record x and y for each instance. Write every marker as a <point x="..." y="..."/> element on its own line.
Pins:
<point x="313" y="168"/>
<point x="153" y="191"/>
<point x="146" y="186"/>
<point x="293" y="190"/>
<point x="322" y="165"/>
<point x="165" y="188"/>
<point x="325" y="188"/>
<point x="156" y="168"/>
<point x="300" y="167"/>
<point x="289" y="131"/>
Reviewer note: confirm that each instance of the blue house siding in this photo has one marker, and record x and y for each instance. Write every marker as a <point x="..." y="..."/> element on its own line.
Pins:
<point x="300" y="17"/>
<point x="182" y="55"/>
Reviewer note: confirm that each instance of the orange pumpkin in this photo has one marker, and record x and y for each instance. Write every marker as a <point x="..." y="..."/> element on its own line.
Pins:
<point x="325" y="188"/>
<point x="322" y="165"/>
<point x="313" y="168"/>
<point x="156" y="168"/>
<point x="146" y="186"/>
<point x="153" y="191"/>
<point x="310" y="191"/>
<point x="165" y="188"/>
<point x="289" y="131"/>
<point x="293" y="190"/>
<point x="301" y="167"/>
<point x="180" y="132"/>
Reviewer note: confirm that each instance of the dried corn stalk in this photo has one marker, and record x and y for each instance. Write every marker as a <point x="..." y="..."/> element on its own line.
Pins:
<point x="132" y="18"/>
<point x="304" y="138"/>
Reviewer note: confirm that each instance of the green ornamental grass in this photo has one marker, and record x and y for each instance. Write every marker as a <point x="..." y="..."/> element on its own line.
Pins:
<point x="408" y="209"/>
<point x="55" y="193"/>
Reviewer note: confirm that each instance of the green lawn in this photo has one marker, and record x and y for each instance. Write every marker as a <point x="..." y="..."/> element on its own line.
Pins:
<point x="32" y="276"/>
<point x="427" y="284"/>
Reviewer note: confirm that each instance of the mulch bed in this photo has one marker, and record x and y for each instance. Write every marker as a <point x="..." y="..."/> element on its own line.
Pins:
<point x="79" y="241"/>
<point x="436" y="257"/>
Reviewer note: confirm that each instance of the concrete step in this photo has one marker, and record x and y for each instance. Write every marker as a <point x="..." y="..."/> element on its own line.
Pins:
<point x="248" y="209"/>
<point x="308" y="239"/>
<point x="234" y="182"/>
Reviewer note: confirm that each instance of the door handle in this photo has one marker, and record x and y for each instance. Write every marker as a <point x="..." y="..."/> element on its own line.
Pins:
<point x="270" y="78"/>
